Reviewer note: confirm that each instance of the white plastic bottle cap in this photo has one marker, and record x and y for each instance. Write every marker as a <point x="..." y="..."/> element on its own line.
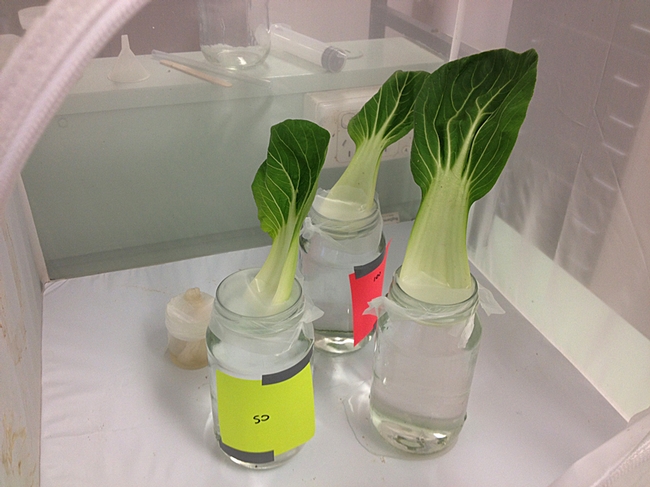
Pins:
<point x="188" y="315"/>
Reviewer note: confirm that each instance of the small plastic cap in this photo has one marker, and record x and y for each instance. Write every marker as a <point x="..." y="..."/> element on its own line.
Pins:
<point x="333" y="59"/>
<point x="127" y="68"/>
<point x="187" y="315"/>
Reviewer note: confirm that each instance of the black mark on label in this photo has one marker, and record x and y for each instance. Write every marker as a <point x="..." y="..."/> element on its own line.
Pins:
<point x="246" y="456"/>
<point x="364" y="270"/>
<point x="287" y="373"/>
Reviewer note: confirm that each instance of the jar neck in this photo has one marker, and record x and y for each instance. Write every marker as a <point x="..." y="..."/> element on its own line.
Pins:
<point x="365" y="224"/>
<point x="231" y="304"/>
<point x="444" y="313"/>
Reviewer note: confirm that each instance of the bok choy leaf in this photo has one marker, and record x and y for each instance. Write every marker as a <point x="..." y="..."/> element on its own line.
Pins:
<point x="466" y="121"/>
<point x="383" y="120"/>
<point x="284" y="188"/>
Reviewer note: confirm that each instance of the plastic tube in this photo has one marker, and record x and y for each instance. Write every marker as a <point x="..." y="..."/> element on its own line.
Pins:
<point x="312" y="50"/>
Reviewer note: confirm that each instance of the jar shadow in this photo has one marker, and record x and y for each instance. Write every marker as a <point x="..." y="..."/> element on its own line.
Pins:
<point x="357" y="412"/>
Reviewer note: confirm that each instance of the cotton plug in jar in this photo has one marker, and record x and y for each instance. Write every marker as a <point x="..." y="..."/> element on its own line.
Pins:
<point x="186" y="318"/>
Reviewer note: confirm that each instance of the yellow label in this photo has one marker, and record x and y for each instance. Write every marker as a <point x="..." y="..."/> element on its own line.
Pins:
<point x="275" y="414"/>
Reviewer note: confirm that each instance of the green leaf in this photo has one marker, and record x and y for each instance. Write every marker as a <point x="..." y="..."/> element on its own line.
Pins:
<point x="383" y="120"/>
<point x="469" y="114"/>
<point x="284" y="188"/>
<point x="466" y="122"/>
<point x="388" y="114"/>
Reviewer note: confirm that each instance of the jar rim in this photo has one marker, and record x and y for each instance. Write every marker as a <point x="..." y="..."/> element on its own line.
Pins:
<point x="291" y="307"/>
<point x="341" y="227"/>
<point x="438" y="308"/>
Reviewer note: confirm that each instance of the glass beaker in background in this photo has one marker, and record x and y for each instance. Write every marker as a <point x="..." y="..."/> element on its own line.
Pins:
<point x="234" y="34"/>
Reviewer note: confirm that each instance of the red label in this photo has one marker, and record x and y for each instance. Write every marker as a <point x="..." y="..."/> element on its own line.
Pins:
<point x="366" y="284"/>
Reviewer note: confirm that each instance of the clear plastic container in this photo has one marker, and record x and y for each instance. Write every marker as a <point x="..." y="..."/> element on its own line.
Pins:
<point x="186" y="319"/>
<point x="261" y="387"/>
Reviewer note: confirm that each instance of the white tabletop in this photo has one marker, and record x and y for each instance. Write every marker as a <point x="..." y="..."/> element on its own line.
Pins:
<point x="117" y="412"/>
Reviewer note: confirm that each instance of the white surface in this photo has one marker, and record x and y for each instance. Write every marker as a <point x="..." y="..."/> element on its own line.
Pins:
<point x="613" y="354"/>
<point x="116" y="412"/>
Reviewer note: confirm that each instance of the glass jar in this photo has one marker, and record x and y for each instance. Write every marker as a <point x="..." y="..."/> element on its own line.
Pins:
<point x="261" y="387"/>
<point x="422" y="371"/>
<point x="342" y="263"/>
<point x="234" y="34"/>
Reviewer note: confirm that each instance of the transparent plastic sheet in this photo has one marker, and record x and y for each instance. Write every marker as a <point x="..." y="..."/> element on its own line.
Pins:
<point x="486" y="300"/>
<point x="43" y="67"/>
<point x="312" y="226"/>
<point x="382" y="304"/>
<point x="623" y="461"/>
<point x="274" y="341"/>
<point x="564" y="234"/>
<point x="343" y="208"/>
<point x="309" y="229"/>
<point x="269" y="339"/>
